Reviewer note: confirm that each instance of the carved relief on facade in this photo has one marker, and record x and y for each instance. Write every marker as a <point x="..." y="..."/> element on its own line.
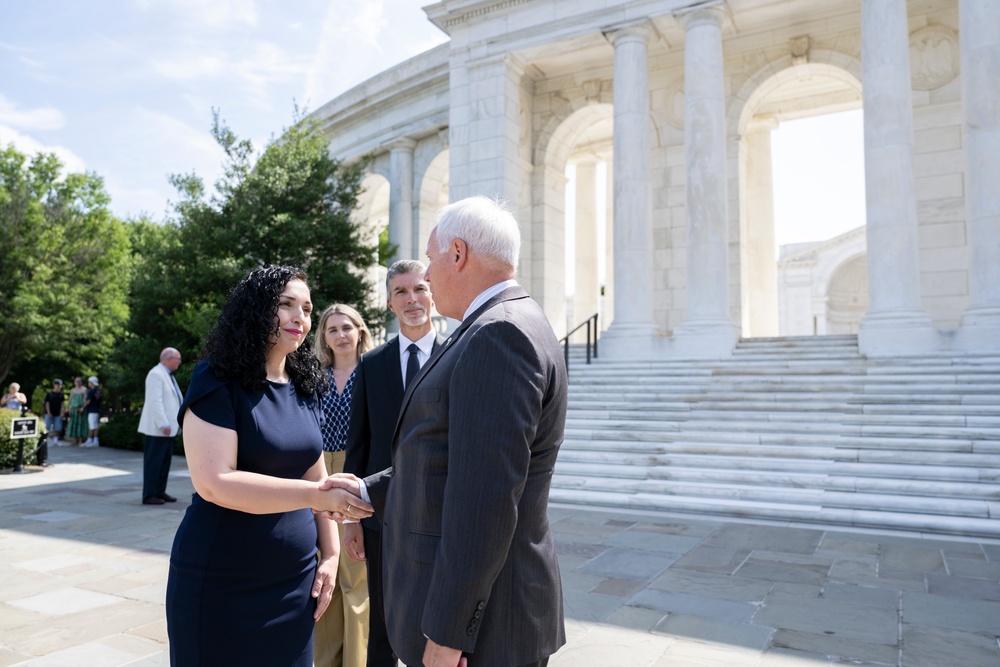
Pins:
<point x="934" y="57"/>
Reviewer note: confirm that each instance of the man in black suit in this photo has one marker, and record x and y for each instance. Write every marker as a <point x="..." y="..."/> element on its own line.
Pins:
<point x="379" y="382"/>
<point x="470" y="568"/>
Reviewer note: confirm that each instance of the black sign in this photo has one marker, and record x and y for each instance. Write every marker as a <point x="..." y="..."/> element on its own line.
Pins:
<point x="24" y="427"/>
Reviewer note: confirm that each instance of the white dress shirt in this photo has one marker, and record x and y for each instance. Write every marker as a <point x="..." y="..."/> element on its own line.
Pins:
<point x="486" y="295"/>
<point x="425" y="345"/>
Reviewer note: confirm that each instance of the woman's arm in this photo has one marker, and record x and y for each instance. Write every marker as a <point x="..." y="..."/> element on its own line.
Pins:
<point x="329" y="550"/>
<point x="211" y="456"/>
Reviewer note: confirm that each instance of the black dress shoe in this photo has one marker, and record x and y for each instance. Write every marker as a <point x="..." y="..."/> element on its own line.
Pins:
<point x="166" y="497"/>
<point x="153" y="500"/>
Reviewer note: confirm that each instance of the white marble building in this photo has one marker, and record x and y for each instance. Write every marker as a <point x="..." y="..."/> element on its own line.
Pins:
<point x="823" y="286"/>
<point x="678" y="98"/>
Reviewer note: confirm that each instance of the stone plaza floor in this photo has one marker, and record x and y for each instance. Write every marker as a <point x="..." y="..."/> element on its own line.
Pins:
<point x="83" y="570"/>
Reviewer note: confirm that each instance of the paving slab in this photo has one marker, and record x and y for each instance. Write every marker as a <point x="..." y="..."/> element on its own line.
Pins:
<point x="935" y="647"/>
<point x="83" y="567"/>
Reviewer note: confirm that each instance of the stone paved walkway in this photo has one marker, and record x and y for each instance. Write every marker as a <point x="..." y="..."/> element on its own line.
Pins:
<point x="83" y="567"/>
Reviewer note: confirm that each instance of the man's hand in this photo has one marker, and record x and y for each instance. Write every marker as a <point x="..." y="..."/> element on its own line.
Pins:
<point x="165" y="430"/>
<point x="436" y="655"/>
<point x="343" y="501"/>
<point x="354" y="541"/>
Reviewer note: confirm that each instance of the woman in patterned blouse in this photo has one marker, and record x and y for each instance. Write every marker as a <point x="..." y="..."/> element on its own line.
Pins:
<point x="342" y="632"/>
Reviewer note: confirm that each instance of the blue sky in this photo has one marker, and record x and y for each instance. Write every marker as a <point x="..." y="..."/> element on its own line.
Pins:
<point x="126" y="88"/>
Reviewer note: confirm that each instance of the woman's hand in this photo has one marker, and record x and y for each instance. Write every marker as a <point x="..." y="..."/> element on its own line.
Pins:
<point x="324" y="583"/>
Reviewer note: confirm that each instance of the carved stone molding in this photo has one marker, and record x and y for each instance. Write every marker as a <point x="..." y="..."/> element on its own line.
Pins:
<point x="934" y="57"/>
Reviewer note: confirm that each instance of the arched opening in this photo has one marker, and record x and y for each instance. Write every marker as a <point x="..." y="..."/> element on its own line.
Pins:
<point x="432" y="196"/>
<point x="803" y="90"/>
<point x="847" y="297"/>
<point x="576" y="158"/>
<point x="372" y="214"/>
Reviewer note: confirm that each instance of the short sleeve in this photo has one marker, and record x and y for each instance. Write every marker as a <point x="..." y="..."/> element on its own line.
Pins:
<point x="209" y="398"/>
<point x="216" y="407"/>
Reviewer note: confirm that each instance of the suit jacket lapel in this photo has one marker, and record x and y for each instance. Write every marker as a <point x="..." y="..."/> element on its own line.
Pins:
<point x="513" y="292"/>
<point x="393" y="371"/>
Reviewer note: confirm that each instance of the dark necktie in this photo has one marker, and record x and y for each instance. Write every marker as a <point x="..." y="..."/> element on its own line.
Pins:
<point x="412" y="364"/>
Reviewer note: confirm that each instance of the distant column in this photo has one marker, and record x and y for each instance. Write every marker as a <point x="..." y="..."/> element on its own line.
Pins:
<point x="586" y="295"/>
<point x="632" y="332"/>
<point x="708" y="328"/>
<point x="401" y="197"/>
<point x="761" y="261"/>
<point x="979" y="30"/>
<point x="895" y="322"/>
<point x="608" y="300"/>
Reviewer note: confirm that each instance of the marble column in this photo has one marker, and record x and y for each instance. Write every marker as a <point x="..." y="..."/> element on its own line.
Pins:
<point x="708" y="329"/>
<point x="632" y="332"/>
<point x="608" y="300"/>
<point x="761" y="261"/>
<point x="401" y="198"/>
<point x="979" y="26"/>
<point x="587" y="292"/>
<point x="895" y="322"/>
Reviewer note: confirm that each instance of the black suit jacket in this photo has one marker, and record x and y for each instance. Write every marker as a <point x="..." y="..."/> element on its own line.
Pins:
<point x="375" y="403"/>
<point x="470" y="561"/>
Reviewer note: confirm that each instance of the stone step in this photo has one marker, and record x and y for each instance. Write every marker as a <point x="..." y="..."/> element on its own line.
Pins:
<point x="926" y="465"/>
<point x="619" y="424"/>
<point x="983" y="427"/>
<point x="727" y="438"/>
<point x="969" y="507"/>
<point x="802" y="404"/>
<point x="841" y="475"/>
<point x="940" y="524"/>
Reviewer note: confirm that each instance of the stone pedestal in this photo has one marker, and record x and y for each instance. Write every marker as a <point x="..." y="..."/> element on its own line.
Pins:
<point x="895" y="322"/>
<point x="632" y="332"/>
<point x="708" y="329"/>
<point x="980" y="71"/>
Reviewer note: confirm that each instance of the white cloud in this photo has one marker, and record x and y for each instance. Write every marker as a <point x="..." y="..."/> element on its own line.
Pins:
<point x="31" y="146"/>
<point x="42" y="118"/>
<point x="256" y="71"/>
<point x="214" y="14"/>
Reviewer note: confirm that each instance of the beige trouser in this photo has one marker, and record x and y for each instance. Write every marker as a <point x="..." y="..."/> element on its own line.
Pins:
<point x="342" y="632"/>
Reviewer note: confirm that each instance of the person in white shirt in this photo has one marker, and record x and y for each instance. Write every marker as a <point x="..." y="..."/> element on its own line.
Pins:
<point x="158" y="423"/>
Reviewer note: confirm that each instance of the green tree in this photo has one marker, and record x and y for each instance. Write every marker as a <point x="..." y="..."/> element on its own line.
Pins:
<point x="64" y="268"/>
<point x="291" y="205"/>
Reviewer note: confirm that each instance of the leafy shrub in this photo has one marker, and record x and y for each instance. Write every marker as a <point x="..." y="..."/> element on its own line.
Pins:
<point x="121" y="431"/>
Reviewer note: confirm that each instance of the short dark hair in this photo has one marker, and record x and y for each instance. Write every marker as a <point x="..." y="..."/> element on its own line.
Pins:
<point x="237" y="345"/>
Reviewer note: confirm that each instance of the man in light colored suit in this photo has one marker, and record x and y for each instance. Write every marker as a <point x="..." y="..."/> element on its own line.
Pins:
<point x="470" y="572"/>
<point x="380" y="379"/>
<point x="158" y="423"/>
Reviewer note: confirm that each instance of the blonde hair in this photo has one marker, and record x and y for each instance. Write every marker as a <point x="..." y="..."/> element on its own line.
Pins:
<point x="323" y="351"/>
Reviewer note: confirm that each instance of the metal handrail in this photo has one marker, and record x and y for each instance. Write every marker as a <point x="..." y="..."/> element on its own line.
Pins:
<point x="591" y="340"/>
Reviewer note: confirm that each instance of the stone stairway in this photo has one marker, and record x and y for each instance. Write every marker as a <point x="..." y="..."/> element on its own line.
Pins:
<point x="797" y="429"/>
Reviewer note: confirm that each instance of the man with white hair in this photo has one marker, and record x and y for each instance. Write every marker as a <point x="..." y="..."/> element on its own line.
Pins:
<point x="158" y="422"/>
<point x="470" y="562"/>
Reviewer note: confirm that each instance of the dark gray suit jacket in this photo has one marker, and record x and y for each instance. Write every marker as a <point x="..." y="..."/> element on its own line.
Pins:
<point x="377" y="397"/>
<point x="470" y="561"/>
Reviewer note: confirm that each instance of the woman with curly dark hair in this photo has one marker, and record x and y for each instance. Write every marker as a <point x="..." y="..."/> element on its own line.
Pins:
<point x="245" y="586"/>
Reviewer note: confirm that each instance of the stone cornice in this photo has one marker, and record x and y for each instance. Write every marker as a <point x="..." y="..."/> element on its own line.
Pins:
<point x="810" y="253"/>
<point x="450" y="13"/>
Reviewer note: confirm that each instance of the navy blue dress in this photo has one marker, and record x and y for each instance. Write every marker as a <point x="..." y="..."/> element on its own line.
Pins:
<point x="238" y="592"/>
